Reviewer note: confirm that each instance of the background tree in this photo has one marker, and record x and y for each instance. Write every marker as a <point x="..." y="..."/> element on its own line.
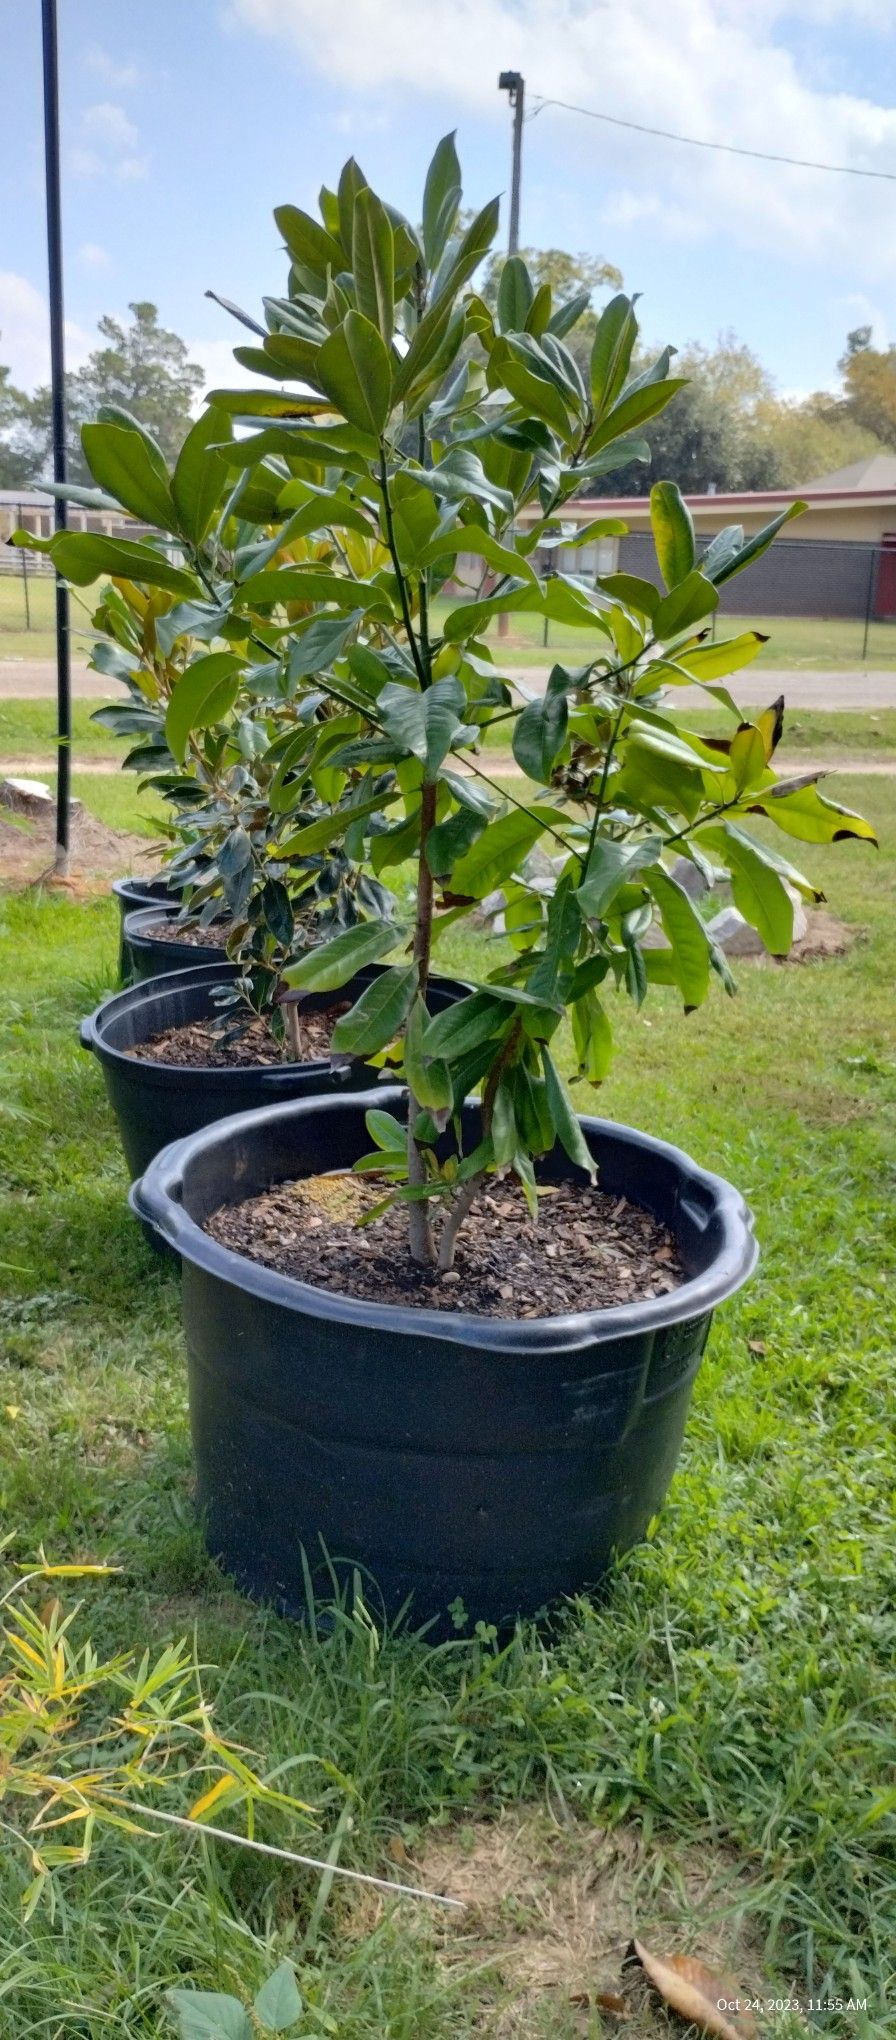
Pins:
<point x="143" y="368"/>
<point x="869" y="385"/>
<point x="717" y="435"/>
<point x="14" y="452"/>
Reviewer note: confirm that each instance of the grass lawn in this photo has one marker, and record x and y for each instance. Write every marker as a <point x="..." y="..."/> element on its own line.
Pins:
<point x="805" y="643"/>
<point x="18" y="640"/>
<point x="728" y="1702"/>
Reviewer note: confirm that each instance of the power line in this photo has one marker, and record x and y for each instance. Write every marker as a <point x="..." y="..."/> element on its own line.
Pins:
<point x="726" y="148"/>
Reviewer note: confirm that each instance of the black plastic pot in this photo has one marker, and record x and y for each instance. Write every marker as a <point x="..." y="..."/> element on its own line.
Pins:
<point x="134" y="893"/>
<point x="152" y="955"/>
<point x="504" y="1462"/>
<point x="155" y="1103"/>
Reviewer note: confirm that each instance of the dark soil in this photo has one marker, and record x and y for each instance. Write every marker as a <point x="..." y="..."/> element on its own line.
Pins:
<point x="203" y="1044"/>
<point x="588" y="1250"/>
<point x="187" y="932"/>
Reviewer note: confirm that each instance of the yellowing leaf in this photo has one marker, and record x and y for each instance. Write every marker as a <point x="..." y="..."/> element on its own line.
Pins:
<point x="222" y="1789"/>
<point x="692" y="1990"/>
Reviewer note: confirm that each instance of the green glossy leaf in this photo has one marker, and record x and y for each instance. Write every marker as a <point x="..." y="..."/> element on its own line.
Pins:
<point x="388" y="1133"/>
<point x="373" y="262"/>
<point x="427" y="1077"/>
<point x="515" y="295"/>
<point x="472" y="538"/>
<point x="334" y="963"/>
<point x="634" y="410"/>
<point x="686" y="934"/>
<point x="459" y="262"/>
<point x="355" y="371"/>
<point x="611" y="353"/>
<point x="759" y="893"/>
<point x="720" y="566"/>
<point x="449" y="840"/>
<point x="308" y="584"/>
<point x="308" y="242"/>
<point x="441" y="199"/>
<point x="693" y="599"/>
<point x="720" y="836"/>
<point x="499" y="851"/>
<point x="425" y="345"/>
<point x="539" y="397"/>
<point x="204" y="695"/>
<point x="279" y="2004"/>
<point x="376" y="1017"/>
<point x="318" y="835"/>
<point x="132" y="470"/>
<point x="83" y="556"/>
<point x="200" y="474"/>
<point x="539" y="734"/>
<point x="592" y="1037"/>
<point x="673" y="532"/>
<point x="611" y="865"/>
<point x="466" y="1025"/>
<point x="563" y="1114"/>
<point x="318" y="646"/>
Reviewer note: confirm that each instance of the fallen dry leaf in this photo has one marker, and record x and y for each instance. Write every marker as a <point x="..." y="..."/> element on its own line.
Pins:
<point x="604" y="2000"/>
<point x="397" y="1849"/>
<point x="757" y="1346"/>
<point x="690" y="1989"/>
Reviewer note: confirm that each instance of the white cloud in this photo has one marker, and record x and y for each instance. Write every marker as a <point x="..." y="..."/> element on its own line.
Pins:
<point x="109" y="126"/>
<point x="93" y="256"/>
<point x="25" y="332"/>
<point x="710" y="68"/>
<point x="629" y="208"/>
<point x="121" y="77"/>
<point x="108" y="145"/>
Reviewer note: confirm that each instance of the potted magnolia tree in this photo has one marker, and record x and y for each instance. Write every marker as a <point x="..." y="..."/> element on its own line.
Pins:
<point x="450" y="1327"/>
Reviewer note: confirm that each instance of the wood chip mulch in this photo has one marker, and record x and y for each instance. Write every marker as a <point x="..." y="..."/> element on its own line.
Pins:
<point x="588" y="1250"/>
<point x="188" y="932"/>
<point x="202" y="1044"/>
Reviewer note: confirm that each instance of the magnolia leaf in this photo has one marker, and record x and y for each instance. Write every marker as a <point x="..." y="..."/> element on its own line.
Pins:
<point x="441" y="199"/>
<point x="133" y="471"/>
<point x="355" y="371"/>
<point x="696" y="1994"/>
<point x="334" y="963"/>
<point x="539" y="734"/>
<point x="673" y="532"/>
<point x="204" y="695"/>
<point x="376" y="1017"/>
<point x="564" y="1117"/>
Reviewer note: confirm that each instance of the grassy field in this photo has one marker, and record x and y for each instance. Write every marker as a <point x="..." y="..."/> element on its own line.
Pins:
<point x="803" y="643"/>
<point x="727" y="1703"/>
<point x="27" y="730"/>
<point x="18" y="639"/>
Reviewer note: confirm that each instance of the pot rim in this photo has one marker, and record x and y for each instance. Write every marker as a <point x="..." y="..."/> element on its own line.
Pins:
<point x="169" y="982"/>
<point x="137" y="924"/>
<point x="156" y="1198"/>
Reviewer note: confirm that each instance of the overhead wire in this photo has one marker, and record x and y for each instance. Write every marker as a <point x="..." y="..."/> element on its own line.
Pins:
<point x="698" y="142"/>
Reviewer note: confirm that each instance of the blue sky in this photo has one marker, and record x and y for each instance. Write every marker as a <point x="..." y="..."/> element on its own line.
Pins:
<point x="186" y="121"/>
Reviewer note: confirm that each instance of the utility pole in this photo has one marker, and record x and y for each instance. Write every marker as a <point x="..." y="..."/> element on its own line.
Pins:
<point x="57" y="377"/>
<point x="514" y="84"/>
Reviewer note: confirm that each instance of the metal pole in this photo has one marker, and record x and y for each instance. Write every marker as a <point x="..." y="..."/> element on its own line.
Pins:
<point x="873" y="571"/>
<point x="25" y="577"/>
<point x="513" y="83"/>
<point x="57" y="376"/>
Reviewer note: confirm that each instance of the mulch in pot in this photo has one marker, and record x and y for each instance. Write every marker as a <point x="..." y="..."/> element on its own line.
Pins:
<point x="213" y="936"/>
<point x="205" y="1045"/>
<point x="588" y="1250"/>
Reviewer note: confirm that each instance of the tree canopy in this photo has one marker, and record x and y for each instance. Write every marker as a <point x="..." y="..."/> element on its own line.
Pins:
<point x="142" y="368"/>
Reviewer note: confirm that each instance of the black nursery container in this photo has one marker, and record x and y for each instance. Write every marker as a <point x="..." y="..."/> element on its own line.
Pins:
<point x="152" y="955"/>
<point x="450" y="1455"/>
<point x="156" y="1102"/>
<point x="134" y="893"/>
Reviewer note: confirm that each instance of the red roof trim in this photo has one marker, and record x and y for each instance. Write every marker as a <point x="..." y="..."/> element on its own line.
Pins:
<point x="744" y="501"/>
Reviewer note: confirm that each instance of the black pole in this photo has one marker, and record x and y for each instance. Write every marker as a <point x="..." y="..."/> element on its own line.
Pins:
<point x="57" y="377"/>
<point x="873" y="575"/>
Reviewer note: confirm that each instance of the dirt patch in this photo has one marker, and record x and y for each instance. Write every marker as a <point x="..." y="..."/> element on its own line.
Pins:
<point x="588" y="1251"/>
<point x="27" y="849"/>
<point x="550" y="1912"/>
<point x="825" y="936"/>
<point x="201" y="1044"/>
